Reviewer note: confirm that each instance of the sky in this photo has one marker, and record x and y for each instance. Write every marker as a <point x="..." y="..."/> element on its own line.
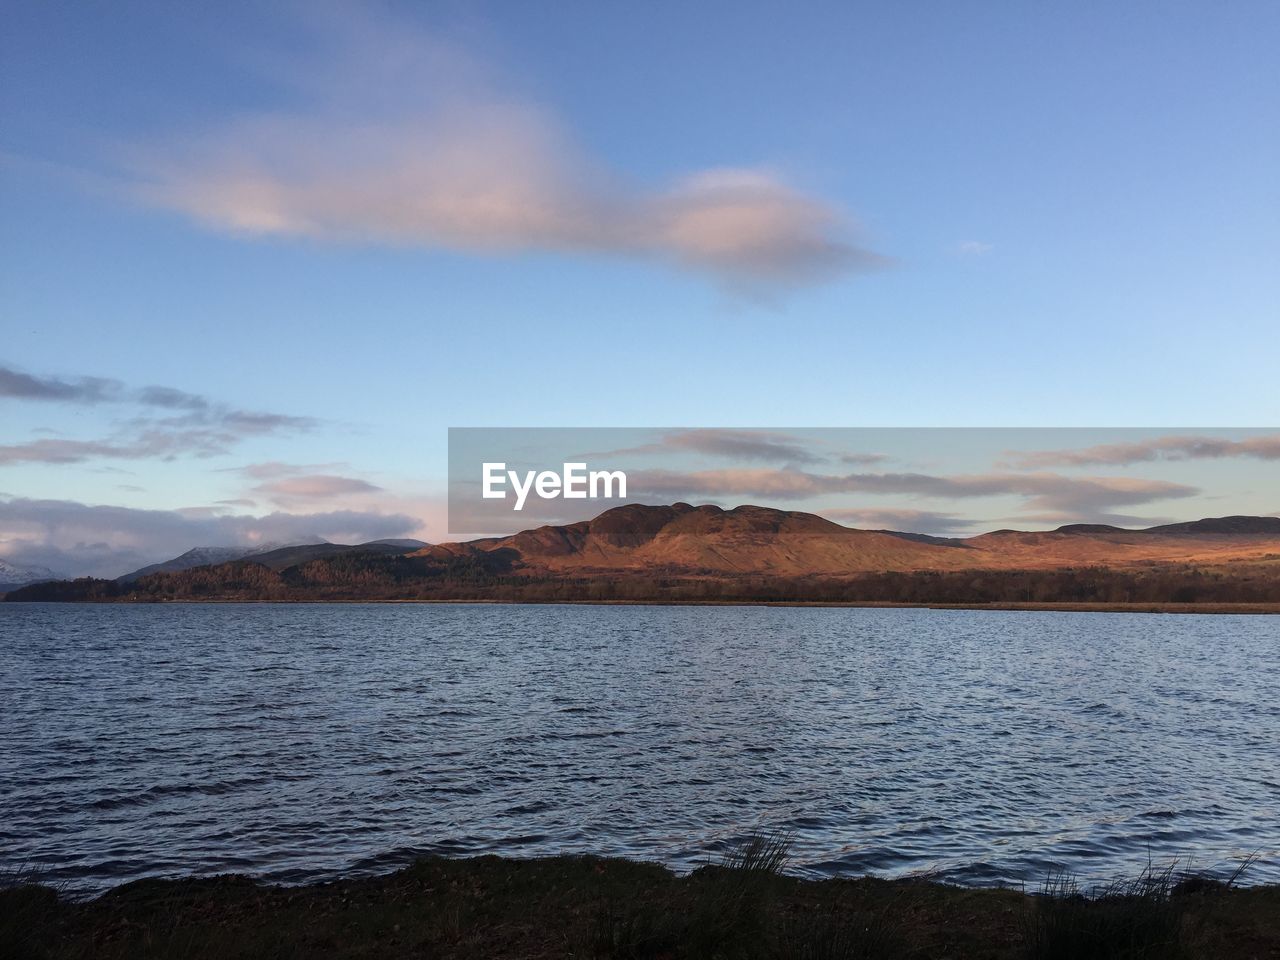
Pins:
<point x="257" y="258"/>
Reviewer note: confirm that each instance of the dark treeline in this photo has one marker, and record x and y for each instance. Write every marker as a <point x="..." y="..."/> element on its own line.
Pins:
<point x="496" y="576"/>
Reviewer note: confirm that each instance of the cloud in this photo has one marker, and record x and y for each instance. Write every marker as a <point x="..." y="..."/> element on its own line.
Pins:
<point x="862" y="459"/>
<point x="743" y="445"/>
<point x="316" y="486"/>
<point x="23" y="386"/>
<point x="405" y="142"/>
<point x="18" y="385"/>
<point x="152" y="444"/>
<point x="270" y="469"/>
<point x="909" y="521"/>
<point x="1077" y="496"/>
<point x="974" y="248"/>
<point x="171" y="398"/>
<point x="293" y="484"/>
<point x="731" y="444"/>
<point x="78" y="539"/>
<point x="184" y="424"/>
<point x="1146" y="451"/>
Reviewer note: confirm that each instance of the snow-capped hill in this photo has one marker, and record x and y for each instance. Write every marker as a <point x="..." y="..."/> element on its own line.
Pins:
<point x="16" y="574"/>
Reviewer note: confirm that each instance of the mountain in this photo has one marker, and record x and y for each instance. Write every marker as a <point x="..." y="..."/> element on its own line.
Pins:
<point x="14" y="575"/>
<point x="761" y="541"/>
<point x="749" y="553"/>
<point x="276" y="556"/>
<point x="285" y="557"/>
<point x="710" y="540"/>
<point x="1264" y="526"/>
<point x="203" y="557"/>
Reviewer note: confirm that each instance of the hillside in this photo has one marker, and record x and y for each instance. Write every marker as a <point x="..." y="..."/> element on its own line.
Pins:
<point x="277" y="556"/>
<point x="761" y="541"/>
<point x="709" y="540"/>
<point x="15" y="575"/>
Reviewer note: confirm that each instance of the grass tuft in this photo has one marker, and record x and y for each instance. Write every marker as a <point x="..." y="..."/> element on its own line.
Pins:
<point x="766" y="853"/>
<point x="1135" y="919"/>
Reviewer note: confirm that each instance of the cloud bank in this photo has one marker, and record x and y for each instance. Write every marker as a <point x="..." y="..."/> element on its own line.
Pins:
<point x="78" y="539"/>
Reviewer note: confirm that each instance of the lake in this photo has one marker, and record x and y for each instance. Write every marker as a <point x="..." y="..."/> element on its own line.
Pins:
<point x="298" y="741"/>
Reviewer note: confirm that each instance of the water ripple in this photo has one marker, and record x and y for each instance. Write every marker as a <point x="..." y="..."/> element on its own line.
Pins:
<point x="298" y="742"/>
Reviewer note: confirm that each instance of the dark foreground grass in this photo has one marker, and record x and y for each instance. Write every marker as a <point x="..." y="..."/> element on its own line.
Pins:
<point x="587" y="907"/>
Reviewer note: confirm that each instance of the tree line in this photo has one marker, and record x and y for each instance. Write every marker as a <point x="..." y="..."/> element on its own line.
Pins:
<point x="496" y="576"/>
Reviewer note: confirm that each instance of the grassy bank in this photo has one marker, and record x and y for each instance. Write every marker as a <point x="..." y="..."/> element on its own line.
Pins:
<point x="600" y="908"/>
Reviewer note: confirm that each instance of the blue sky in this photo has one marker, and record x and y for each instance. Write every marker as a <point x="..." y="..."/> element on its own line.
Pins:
<point x="373" y="222"/>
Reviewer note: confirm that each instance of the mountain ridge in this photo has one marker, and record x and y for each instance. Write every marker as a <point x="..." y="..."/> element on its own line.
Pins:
<point x="683" y="553"/>
<point x="275" y="555"/>
<point x="709" y="539"/>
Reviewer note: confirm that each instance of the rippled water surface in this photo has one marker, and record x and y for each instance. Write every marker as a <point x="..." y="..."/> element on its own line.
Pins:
<point x="300" y="741"/>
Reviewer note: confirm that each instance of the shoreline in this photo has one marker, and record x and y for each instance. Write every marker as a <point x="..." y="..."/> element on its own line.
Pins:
<point x="1252" y="609"/>
<point x="585" y="906"/>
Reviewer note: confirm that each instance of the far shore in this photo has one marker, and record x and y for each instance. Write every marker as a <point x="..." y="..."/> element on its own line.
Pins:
<point x="1050" y="606"/>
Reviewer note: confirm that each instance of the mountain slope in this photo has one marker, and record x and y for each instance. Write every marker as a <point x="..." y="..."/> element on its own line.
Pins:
<point x="708" y="540"/>
<point x="276" y="556"/>
<point x="202" y="557"/>
<point x="14" y="575"/>
<point x="750" y="540"/>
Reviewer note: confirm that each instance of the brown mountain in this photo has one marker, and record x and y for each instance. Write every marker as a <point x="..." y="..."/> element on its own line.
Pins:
<point x="760" y="541"/>
<point x="709" y="540"/>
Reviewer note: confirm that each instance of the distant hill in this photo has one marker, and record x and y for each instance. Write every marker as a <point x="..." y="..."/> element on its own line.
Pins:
<point x="710" y="540"/>
<point x="683" y="552"/>
<point x="15" y="575"/>
<point x="203" y="557"/>
<point x="285" y="557"/>
<point x="1247" y="526"/>
<point x="274" y="555"/>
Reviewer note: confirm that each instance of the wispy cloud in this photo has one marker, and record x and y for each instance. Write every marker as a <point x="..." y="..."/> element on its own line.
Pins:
<point x="154" y="444"/>
<point x="316" y="486"/>
<point x="759" y="445"/>
<point x="974" y="248"/>
<point x="1146" y="451"/>
<point x="1079" y="497"/>
<point x="763" y="446"/>
<point x="270" y="469"/>
<point x="171" y="423"/>
<point x="408" y="142"/>
<point x="929" y="522"/>
<point x="24" y="386"/>
<point x="862" y="459"/>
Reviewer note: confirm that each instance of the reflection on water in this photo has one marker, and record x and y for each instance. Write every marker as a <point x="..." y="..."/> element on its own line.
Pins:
<point x="300" y="741"/>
